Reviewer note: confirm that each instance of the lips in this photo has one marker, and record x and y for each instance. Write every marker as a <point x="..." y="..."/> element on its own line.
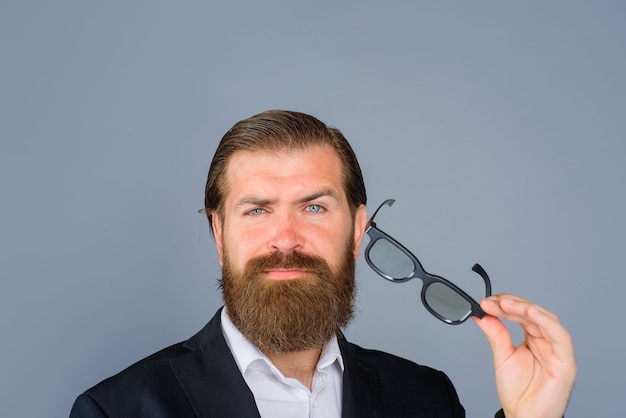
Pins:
<point x="285" y="274"/>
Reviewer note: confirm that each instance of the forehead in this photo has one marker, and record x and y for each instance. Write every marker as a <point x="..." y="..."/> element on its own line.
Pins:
<point x="291" y="170"/>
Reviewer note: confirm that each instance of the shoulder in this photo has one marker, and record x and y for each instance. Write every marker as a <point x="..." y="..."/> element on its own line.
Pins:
<point x="404" y="387"/>
<point x="151" y="386"/>
<point x="387" y="365"/>
<point x="148" y="370"/>
<point x="134" y="390"/>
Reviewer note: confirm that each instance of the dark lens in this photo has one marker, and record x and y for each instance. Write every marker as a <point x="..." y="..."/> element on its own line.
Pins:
<point x="390" y="259"/>
<point x="447" y="302"/>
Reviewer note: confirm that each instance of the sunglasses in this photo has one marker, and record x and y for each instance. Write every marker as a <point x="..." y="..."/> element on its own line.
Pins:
<point x="396" y="263"/>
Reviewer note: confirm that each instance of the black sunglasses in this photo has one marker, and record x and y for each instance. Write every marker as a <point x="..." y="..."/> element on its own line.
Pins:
<point x="394" y="262"/>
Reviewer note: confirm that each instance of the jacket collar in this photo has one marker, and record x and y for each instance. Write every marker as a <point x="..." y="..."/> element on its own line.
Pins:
<point x="215" y="387"/>
<point x="361" y="387"/>
<point x="210" y="378"/>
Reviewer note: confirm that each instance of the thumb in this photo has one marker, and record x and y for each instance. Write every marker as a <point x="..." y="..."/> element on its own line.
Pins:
<point x="498" y="337"/>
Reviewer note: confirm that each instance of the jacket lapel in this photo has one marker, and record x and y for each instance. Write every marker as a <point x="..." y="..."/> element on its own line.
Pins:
<point x="210" y="377"/>
<point x="361" y="387"/>
<point x="215" y="387"/>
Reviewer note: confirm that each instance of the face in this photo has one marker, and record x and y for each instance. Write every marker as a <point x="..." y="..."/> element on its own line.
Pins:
<point x="286" y="202"/>
<point x="287" y="245"/>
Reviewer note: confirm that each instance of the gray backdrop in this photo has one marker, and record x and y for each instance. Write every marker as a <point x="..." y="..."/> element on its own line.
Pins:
<point x="497" y="126"/>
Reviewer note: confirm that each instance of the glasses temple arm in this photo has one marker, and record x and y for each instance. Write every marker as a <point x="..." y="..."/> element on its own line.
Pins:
<point x="481" y="271"/>
<point x="388" y="202"/>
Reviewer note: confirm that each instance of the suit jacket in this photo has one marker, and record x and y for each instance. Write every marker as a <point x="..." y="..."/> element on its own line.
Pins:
<point x="199" y="378"/>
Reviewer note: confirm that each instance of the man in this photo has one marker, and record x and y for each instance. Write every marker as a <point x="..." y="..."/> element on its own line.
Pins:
<point x="285" y="201"/>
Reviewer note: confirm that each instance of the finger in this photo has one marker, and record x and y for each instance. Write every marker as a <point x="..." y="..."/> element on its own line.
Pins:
<point x="555" y="350"/>
<point x="498" y="338"/>
<point x="537" y="324"/>
<point x="536" y="321"/>
<point x="551" y="329"/>
<point x="513" y="308"/>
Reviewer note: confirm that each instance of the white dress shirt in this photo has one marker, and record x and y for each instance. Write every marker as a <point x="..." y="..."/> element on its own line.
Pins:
<point x="278" y="396"/>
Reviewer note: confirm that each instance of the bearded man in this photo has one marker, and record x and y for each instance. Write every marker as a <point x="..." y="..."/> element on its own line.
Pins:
<point x="285" y="201"/>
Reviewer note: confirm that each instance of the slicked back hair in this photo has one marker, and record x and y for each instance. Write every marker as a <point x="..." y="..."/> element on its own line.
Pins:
<point x="281" y="131"/>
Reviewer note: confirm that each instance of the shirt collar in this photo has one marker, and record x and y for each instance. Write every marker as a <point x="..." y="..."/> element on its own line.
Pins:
<point x="245" y="353"/>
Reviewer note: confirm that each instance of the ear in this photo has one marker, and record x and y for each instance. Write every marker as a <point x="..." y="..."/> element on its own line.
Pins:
<point x="216" y="226"/>
<point x="360" y="220"/>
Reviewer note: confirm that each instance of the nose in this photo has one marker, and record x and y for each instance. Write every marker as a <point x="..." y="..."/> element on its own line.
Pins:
<point x="287" y="234"/>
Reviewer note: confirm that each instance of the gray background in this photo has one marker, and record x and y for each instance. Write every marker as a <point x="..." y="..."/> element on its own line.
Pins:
<point x="497" y="126"/>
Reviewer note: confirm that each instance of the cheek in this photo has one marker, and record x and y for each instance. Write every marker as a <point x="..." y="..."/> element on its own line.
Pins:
<point x="331" y="245"/>
<point x="239" y="246"/>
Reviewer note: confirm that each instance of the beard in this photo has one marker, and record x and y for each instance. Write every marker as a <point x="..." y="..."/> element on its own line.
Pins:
<point x="283" y="316"/>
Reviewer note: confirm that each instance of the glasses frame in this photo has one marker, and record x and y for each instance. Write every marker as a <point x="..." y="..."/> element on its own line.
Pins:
<point x="376" y="234"/>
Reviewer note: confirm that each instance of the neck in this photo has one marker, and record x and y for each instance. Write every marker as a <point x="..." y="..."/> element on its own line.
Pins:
<point x="299" y="365"/>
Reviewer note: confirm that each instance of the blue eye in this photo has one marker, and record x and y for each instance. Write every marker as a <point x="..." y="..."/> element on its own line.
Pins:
<point x="257" y="211"/>
<point x="314" y="208"/>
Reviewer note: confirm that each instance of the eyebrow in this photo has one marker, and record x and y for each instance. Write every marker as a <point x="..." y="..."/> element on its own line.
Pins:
<point x="256" y="201"/>
<point x="317" y="195"/>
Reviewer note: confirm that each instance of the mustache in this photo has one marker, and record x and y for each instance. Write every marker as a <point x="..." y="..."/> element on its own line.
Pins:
<point x="290" y="260"/>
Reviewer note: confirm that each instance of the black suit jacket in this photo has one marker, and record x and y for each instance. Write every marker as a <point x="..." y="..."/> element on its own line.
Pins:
<point x="199" y="378"/>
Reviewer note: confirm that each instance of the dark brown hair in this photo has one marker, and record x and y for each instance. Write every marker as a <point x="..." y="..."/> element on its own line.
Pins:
<point x="280" y="131"/>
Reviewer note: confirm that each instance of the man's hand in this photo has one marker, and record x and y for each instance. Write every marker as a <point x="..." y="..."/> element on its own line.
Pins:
<point x="536" y="378"/>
